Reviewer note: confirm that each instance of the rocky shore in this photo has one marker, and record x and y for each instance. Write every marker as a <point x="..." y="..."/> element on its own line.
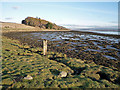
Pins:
<point x="102" y="50"/>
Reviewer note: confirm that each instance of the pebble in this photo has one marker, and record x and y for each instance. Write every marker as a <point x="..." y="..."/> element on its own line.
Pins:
<point x="63" y="74"/>
<point x="28" y="77"/>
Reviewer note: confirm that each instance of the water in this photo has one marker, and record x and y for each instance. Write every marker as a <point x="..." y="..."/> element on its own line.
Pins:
<point x="58" y="36"/>
<point x="102" y="32"/>
<point x="75" y="42"/>
<point x="110" y="57"/>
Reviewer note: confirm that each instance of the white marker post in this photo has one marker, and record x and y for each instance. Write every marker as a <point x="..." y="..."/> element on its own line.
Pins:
<point x="44" y="47"/>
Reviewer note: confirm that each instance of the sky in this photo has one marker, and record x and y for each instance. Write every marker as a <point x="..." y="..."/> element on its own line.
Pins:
<point x="76" y="14"/>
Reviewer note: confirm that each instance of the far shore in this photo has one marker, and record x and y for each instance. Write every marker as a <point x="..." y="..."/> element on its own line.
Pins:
<point x="94" y="33"/>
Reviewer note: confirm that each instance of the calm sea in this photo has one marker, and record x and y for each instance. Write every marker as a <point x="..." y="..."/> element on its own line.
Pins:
<point x="116" y="32"/>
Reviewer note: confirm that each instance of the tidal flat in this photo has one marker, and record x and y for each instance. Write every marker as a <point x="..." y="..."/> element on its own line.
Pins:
<point x="103" y="50"/>
<point x="91" y="61"/>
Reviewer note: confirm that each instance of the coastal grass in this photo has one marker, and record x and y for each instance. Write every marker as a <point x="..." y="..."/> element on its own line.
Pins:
<point x="20" y="60"/>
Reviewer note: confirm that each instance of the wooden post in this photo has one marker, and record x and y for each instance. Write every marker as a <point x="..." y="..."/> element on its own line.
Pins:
<point x="44" y="47"/>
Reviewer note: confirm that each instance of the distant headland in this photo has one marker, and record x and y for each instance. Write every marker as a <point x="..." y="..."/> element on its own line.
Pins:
<point x="41" y="23"/>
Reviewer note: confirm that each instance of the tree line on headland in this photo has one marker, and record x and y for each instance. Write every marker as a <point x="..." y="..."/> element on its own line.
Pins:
<point x="43" y="24"/>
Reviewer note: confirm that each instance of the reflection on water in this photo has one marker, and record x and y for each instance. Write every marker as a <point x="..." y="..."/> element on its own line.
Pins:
<point x="103" y="32"/>
<point x="110" y="47"/>
<point x="100" y="44"/>
<point x="70" y="35"/>
<point x="110" y="57"/>
<point x="93" y="50"/>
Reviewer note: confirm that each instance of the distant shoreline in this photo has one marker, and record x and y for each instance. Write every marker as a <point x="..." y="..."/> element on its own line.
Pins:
<point x="94" y="33"/>
<point x="32" y="30"/>
<point x="85" y="32"/>
<point x="7" y="27"/>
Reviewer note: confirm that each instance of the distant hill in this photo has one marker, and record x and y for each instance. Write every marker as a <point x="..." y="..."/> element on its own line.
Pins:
<point x="9" y="25"/>
<point x="43" y="24"/>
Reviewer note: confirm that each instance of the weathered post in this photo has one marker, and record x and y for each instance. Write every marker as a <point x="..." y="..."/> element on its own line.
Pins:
<point x="44" y="47"/>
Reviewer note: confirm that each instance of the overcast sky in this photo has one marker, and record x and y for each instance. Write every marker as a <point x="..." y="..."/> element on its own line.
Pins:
<point x="63" y="13"/>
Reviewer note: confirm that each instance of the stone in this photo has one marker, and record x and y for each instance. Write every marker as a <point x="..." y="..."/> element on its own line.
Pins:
<point x="63" y="74"/>
<point x="95" y="76"/>
<point x="28" y="77"/>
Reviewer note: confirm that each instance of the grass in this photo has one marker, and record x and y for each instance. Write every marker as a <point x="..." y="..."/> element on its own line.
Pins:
<point x="19" y="60"/>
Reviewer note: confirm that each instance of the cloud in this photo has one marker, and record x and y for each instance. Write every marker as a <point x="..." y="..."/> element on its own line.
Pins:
<point x="8" y="18"/>
<point x="15" y="7"/>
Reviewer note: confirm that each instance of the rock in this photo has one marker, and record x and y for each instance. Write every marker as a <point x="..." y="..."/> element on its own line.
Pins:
<point x="63" y="74"/>
<point x="26" y="46"/>
<point x="7" y="50"/>
<point x="95" y="76"/>
<point x="28" y="77"/>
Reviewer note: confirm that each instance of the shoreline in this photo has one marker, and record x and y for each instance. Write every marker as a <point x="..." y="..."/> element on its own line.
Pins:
<point x="70" y="44"/>
<point x="101" y="34"/>
<point x="48" y="30"/>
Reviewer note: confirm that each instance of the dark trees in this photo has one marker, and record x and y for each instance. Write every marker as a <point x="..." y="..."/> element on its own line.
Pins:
<point x="49" y="25"/>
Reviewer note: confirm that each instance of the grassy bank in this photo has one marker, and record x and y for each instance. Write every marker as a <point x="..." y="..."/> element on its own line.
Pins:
<point x="19" y="60"/>
<point x="15" y="27"/>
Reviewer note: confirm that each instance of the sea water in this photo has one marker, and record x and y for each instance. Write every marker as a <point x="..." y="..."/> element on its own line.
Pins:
<point x="102" y="32"/>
